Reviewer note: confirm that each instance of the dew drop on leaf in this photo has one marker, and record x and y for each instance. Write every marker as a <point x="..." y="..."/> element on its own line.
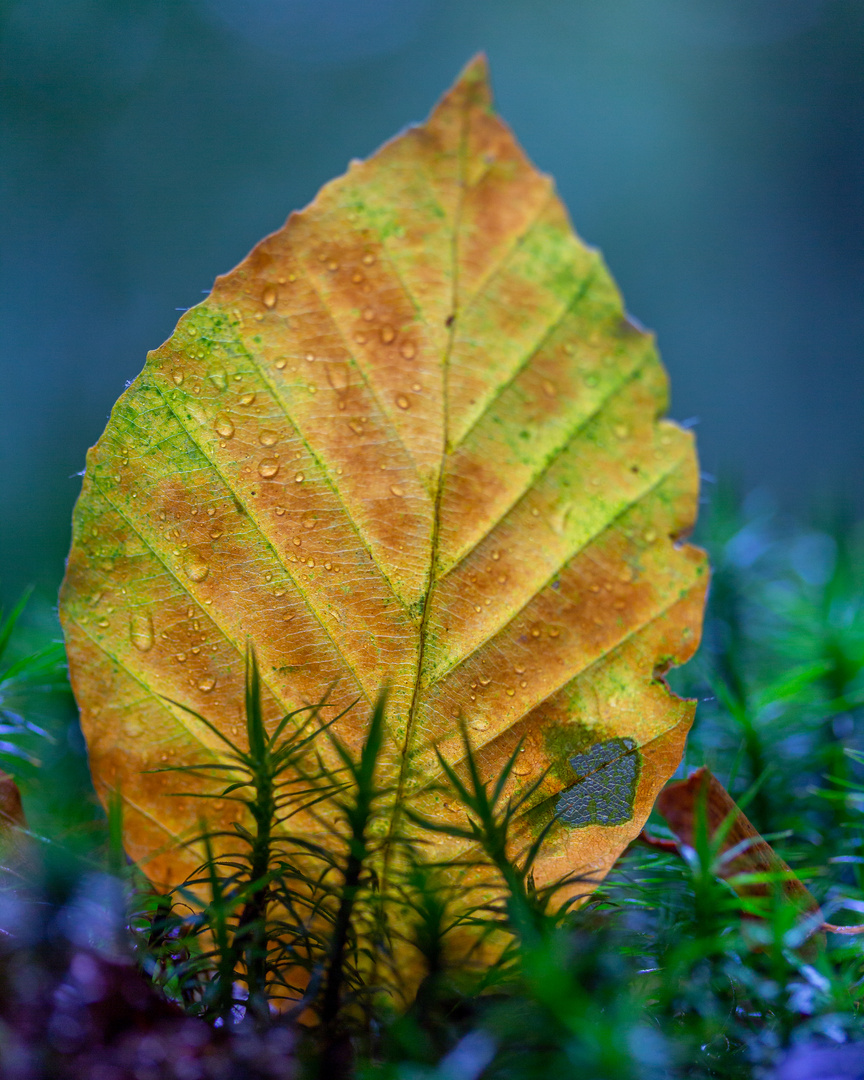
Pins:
<point x="141" y="631"/>
<point x="194" y="567"/>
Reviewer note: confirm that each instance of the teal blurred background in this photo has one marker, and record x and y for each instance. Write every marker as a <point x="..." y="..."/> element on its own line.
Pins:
<point x="713" y="149"/>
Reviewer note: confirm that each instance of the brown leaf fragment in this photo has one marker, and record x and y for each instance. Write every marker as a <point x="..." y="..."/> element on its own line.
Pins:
<point x="11" y="810"/>
<point x="742" y="851"/>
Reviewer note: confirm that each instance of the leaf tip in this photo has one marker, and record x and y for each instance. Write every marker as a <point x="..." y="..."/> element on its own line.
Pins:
<point x="472" y="88"/>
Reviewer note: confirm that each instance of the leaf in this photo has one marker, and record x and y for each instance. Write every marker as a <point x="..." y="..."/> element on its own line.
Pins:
<point x="411" y="441"/>
<point x="740" y="854"/>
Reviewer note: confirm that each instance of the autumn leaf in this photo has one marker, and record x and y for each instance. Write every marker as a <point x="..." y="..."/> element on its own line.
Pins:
<point x="741" y="855"/>
<point x="412" y="440"/>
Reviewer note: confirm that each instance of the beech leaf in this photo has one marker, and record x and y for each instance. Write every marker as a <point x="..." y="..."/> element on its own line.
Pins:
<point x="411" y="441"/>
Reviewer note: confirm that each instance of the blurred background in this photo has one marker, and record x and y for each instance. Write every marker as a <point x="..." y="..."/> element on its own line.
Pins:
<point x="713" y="149"/>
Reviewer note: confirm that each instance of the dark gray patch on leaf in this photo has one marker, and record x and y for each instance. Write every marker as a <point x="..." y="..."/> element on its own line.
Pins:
<point x="605" y="788"/>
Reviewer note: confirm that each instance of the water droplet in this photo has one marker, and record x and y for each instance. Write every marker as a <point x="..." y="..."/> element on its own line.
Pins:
<point x="496" y="555"/>
<point x="207" y="684"/>
<point x="554" y="632"/>
<point x="280" y="510"/>
<point x="268" y="467"/>
<point x="483" y="680"/>
<point x="269" y="297"/>
<point x="181" y="656"/>
<point x="510" y="692"/>
<point x="396" y="490"/>
<point x="408" y="351"/>
<point x="299" y="478"/>
<point x="388" y="334"/>
<point x="224" y="427"/>
<point x="281" y="362"/>
<point x="132" y="727"/>
<point x="268" y="438"/>
<point x="368" y="259"/>
<point x="141" y="631"/>
<point x="103" y="623"/>
<point x="338" y="376"/>
<point x="215" y="532"/>
<point x="310" y="562"/>
<point x="178" y="378"/>
<point x="360" y="339"/>
<point x="477" y="607"/>
<point x="649" y="536"/>
<point x="621" y="431"/>
<point x="328" y="566"/>
<point x="332" y="265"/>
<point x="523" y="684"/>
<point x="195" y="568"/>
<point x="403" y="402"/>
<point x="368" y="314"/>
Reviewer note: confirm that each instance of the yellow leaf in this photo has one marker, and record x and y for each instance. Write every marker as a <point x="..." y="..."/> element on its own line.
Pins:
<point x="412" y="440"/>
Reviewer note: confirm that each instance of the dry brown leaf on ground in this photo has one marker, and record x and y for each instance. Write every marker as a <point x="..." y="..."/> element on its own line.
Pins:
<point x="742" y="854"/>
<point x="11" y="809"/>
<point x="743" y="857"/>
<point x="412" y="439"/>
